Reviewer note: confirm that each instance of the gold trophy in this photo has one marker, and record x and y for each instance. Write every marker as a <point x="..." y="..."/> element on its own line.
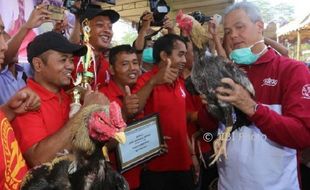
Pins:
<point x="84" y="78"/>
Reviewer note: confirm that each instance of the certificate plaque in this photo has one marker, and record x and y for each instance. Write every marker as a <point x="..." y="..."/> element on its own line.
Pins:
<point x="143" y="142"/>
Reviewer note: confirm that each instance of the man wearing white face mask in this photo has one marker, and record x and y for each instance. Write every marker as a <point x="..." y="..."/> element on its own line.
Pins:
<point x="263" y="155"/>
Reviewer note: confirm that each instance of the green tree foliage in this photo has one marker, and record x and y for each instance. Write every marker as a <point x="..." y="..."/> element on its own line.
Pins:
<point x="304" y="53"/>
<point x="127" y="38"/>
<point x="271" y="12"/>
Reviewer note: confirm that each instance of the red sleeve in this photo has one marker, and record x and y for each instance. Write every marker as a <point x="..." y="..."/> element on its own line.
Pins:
<point x="142" y="80"/>
<point x="206" y="120"/>
<point x="24" y="127"/>
<point x="292" y="128"/>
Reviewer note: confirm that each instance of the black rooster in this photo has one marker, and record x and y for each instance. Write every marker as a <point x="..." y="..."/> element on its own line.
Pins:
<point x="87" y="167"/>
<point x="206" y="76"/>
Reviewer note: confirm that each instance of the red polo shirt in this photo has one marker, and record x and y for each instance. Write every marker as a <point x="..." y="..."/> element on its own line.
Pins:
<point x="114" y="93"/>
<point x="32" y="127"/>
<point x="12" y="164"/>
<point x="194" y="104"/>
<point x="169" y="102"/>
<point x="103" y="75"/>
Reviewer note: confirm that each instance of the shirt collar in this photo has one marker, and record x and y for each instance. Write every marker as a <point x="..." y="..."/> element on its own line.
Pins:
<point x="5" y="69"/>
<point x="19" y="68"/>
<point x="115" y="89"/>
<point x="267" y="57"/>
<point x="43" y="92"/>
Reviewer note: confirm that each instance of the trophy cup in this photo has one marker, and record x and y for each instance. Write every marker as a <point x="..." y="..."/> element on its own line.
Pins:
<point x="84" y="77"/>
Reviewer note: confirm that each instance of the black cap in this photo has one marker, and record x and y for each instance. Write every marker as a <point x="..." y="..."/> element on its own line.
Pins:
<point x="95" y="10"/>
<point x="53" y="41"/>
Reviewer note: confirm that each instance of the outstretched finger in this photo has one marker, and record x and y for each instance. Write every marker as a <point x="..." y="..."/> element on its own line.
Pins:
<point x="127" y="90"/>
<point x="168" y="63"/>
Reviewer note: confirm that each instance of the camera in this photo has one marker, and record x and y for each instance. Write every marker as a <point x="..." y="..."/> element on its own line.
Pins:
<point x="159" y="8"/>
<point x="200" y="17"/>
<point x="70" y="4"/>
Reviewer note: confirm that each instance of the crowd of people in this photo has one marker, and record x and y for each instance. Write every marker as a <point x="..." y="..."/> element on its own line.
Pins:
<point x="150" y="76"/>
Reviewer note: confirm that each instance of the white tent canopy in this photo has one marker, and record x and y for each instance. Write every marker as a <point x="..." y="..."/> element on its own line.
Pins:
<point x="296" y="25"/>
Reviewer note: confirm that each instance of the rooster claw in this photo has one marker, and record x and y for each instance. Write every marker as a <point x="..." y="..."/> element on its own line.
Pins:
<point x="217" y="157"/>
<point x="219" y="146"/>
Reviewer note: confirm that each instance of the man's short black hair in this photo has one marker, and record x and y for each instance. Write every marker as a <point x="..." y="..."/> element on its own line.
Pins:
<point x="166" y="44"/>
<point x="117" y="49"/>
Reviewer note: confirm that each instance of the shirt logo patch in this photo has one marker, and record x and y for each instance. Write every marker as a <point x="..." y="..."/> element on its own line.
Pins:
<point x="306" y="91"/>
<point x="12" y="160"/>
<point x="269" y="82"/>
<point x="182" y="92"/>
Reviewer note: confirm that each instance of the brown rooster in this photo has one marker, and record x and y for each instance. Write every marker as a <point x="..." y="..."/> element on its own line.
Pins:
<point x="188" y="24"/>
<point x="87" y="167"/>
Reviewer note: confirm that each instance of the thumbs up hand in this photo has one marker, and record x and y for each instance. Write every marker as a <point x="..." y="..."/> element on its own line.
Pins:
<point x="130" y="103"/>
<point x="166" y="74"/>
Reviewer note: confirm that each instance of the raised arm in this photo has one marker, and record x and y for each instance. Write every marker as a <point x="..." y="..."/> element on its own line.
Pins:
<point x="169" y="25"/>
<point x="76" y="32"/>
<point x="146" y="20"/>
<point x="38" y="16"/>
<point x="277" y="46"/>
<point x="38" y="148"/>
<point x="213" y="30"/>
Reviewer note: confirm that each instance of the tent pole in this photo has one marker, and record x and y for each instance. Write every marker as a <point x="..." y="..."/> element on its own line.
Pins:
<point x="298" y="45"/>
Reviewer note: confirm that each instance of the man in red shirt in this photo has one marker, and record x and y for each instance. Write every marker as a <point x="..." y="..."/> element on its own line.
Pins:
<point x="43" y="133"/>
<point x="264" y="153"/>
<point x="124" y="69"/>
<point x="161" y="91"/>
<point x="101" y="33"/>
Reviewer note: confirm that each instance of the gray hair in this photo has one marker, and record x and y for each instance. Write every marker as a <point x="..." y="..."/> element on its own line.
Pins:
<point x="251" y="10"/>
